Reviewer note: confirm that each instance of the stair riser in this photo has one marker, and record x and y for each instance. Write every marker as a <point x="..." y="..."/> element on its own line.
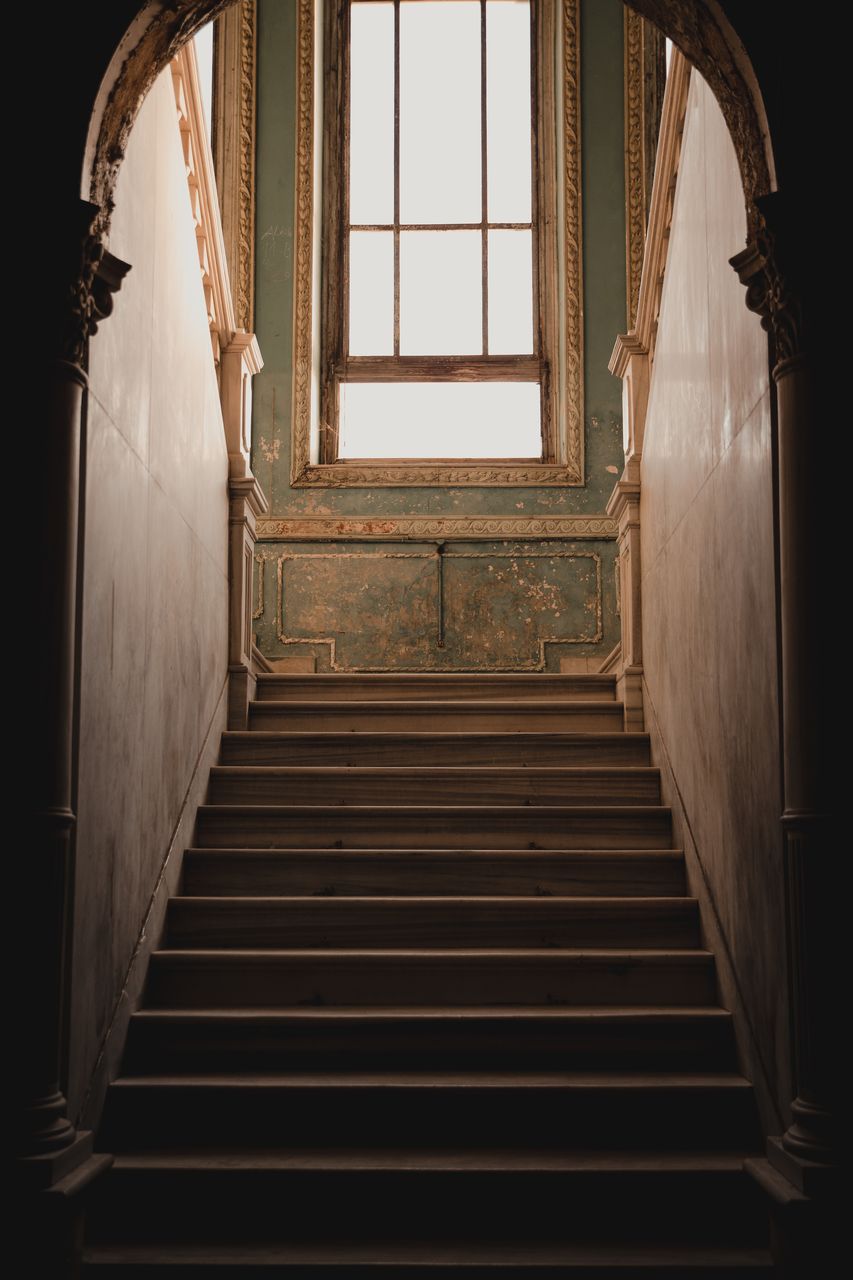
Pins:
<point x="371" y="688"/>
<point x="362" y="875"/>
<point x="554" y="718"/>
<point x="611" y="749"/>
<point x="137" y="1118"/>
<point x="349" y="922"/>
<point x="233" y="1204"/>
<point x="193" y="1045"/>
<point x="373" y="828"/>
<point x="175" y="982"/>
<point x="461" y="787"/>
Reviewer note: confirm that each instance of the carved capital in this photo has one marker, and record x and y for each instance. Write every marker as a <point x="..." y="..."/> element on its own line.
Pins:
<point x="766" y="267"/>
<point x="90" y="277"/>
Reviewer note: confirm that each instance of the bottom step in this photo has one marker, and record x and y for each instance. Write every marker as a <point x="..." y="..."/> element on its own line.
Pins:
<point x="427" y="1258"/>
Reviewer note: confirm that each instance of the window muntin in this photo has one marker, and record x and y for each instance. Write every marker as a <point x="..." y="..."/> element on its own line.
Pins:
<point x="433" y="280"/>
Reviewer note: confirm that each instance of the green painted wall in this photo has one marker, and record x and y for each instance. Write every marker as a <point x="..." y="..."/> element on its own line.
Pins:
<point x="604" y="316"/>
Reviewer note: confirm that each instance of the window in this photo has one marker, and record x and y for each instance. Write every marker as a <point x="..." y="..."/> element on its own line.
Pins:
<point x="439" y="326"/>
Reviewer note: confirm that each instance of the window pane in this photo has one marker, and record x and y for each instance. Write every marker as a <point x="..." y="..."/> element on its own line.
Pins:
<point x="440" y="420"/>
<point x="371" y="193"/>
<point x="371" y="293"/>
<point x="508" y="110"/>
<point x="440" y="169"/>
<point x="441" y="293"/>
<point x="510" y="293"/>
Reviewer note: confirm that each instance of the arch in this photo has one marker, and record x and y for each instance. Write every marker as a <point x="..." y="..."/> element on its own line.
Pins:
<point x="698" y="27"/>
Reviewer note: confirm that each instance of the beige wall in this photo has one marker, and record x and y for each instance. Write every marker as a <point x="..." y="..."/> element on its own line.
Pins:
<point x="155" y="591"/>
<point x="709" y="639"/>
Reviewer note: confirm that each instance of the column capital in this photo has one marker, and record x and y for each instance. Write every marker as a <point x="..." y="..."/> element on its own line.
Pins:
<point x="769" y="270"/>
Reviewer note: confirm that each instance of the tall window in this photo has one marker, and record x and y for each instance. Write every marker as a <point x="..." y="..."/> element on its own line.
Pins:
<point x="438" y="341"/>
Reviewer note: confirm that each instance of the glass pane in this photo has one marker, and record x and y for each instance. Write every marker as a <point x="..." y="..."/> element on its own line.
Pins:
<point x="440" y="420"/>
<point x="510" y="293"/>
<point x="441" y="293"/>
<point x="440" y="171"/>
<point x="508" y="110"/>
<point x="371" y="293"/>
<point x="371" y="190"/>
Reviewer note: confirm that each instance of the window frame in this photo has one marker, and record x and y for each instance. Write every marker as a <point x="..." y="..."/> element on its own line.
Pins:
<point x="337" y="366"/>
<point x="319" y="82"/>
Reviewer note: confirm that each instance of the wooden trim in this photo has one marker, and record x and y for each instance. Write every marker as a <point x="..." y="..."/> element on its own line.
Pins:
<point x="441" y="369"/>
<point x="562" y="386"/>
<point x="233" y="142"/>
<point x="642" y="336"/>
<point x="204" y="201"/>
<point x="428" y="528"/>
<point x="645" y="78"/>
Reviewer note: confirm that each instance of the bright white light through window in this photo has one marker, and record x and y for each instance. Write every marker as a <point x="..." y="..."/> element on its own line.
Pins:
<point x="440" y="232"/>
<point x="442" y="420"/>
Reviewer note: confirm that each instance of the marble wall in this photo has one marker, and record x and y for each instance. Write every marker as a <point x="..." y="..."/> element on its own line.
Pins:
<point x="708" y="595"/>
<point x="154" y="603"/>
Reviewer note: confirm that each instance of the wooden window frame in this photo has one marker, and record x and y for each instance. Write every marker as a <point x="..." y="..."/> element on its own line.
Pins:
<point x="338" y="365"/>
<point x="318" y="275"/>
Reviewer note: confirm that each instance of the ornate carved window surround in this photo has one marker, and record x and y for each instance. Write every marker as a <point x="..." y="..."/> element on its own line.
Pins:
<point x="560" y="31"/>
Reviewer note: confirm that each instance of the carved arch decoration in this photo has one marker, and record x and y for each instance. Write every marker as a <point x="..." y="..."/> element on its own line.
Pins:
<point x="698" y="27"/>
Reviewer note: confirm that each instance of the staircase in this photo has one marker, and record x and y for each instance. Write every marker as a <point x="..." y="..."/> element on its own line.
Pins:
<point x="433" y="1002"/>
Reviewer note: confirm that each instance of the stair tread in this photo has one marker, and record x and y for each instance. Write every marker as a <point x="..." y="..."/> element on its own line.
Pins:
<point x="408" y="1159"/>
<point x="411" y="902"/>
<point x="480" y="810"/>
<point x="430" y="1250"/>
<point x="518" y="955"/>
<point x="449" y="855"/>
<point x="427" y="1013"/>
<point x="433" y="771"/>
<point x="435" y="704"/>
<point x="581" y="1080"/>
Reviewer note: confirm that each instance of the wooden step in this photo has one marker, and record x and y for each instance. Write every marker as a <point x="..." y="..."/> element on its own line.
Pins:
<point x="439" y="922"/>
<point x="258" y="979"/>
<point x="461" y="1194"/>
<point x="427" y="1258"/>
<point x="651" y="1037"/>
<point x="434" y="827"/>
<point x="433" y="686"/>
<point x="435" y="749"/>
<point x="367" y="872"/>
<point x="490" y="716"/>
<point x="245" y="785"/>
<point x="503" y="1109"/>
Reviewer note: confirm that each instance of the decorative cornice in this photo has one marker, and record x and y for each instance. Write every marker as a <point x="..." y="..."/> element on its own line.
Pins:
<point x="204" y="202"/>
<point x="430" y="528"/>
<point x="635" y="193"/>
<point x="392" y="474"/>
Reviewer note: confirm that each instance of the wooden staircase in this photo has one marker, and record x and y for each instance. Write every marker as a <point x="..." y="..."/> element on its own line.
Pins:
<point x="433" y="1002"/>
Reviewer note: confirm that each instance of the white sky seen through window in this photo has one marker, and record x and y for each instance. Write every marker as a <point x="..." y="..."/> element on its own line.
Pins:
<point x="440" y="234"/>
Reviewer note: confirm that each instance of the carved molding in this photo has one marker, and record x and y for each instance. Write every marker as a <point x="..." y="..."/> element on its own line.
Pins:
<point x="385" y="473"/>
<point x="204" y="202"/>
<point x="635" y="196"/>
<point x="641" y="338"/>
<point x="260" y="602"/>
<point x="428" y="528"/>
<point x="233" y="142"/>
<point x="770" y="292"/>
<point x="573" y="246"/>
<point x="303" y="242"/>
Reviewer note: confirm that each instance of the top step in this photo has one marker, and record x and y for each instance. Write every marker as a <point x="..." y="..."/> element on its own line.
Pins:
<point x="436" y="686"/>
